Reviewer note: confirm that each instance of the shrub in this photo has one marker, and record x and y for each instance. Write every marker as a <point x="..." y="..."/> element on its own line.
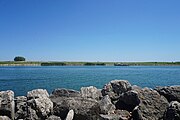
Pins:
<point x="19" y="58"/>
<point x="53" y="64"/>
<point x="89" y="64"/>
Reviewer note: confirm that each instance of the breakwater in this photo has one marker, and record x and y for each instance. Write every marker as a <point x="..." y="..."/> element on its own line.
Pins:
<point x="117" y="100"/>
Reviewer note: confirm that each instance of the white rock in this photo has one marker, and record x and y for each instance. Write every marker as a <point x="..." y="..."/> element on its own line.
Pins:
<point x="70" y="115"/>
<point x="90" y="92"/>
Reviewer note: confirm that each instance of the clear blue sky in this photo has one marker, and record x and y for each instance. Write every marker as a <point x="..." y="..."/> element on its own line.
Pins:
<point x="90" y="30"/>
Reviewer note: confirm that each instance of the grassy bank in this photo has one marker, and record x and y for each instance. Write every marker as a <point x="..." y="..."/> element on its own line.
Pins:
<point x="37" y="63"/>
<point x="20" y="63"/>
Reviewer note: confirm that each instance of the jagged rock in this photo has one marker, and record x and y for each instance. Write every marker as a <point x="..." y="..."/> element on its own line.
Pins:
<point x="21" y="107"/>
<point x="171" y="93"/>
<point x="62" y="92"/>
<point x="38" y="93"/>
<point x="137" y="114"/>
<point x="118" y="115"/>
<point x="70" y="115"/>
<point x="115" y="88"/>
<point x="173" y="111"/>
<point x="109" y="117"/>
<point x="90" y="92"/>
<point x="32" y="115"/>
<point x="100" y="94"/>
<point x="7" y="105"/>
<point x="38" y="101"/>
<point x="84" y="109"/>
<point x="4" y="118"/>
<point x="128" y="101"/>
<point x="53" y="117"/>
<point x="152" y="105"/>
<point x="135" y="87"/>
<point x="44" y="106"/>
<point x="106" y="106"/>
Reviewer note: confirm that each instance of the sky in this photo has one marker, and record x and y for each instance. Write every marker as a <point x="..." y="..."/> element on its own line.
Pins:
<point x="90" y="30"/>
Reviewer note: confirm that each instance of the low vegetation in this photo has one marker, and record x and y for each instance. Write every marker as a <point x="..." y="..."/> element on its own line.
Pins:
<point x="38" y="63"/>
<point x="53" y="64"/>
<point x="94" y="63"/>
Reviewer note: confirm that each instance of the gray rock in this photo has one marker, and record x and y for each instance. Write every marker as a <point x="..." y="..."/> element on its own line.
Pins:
<point x="135" y="87"/>
<point x="38" y="93"/>
<point x="173" y="111"/>
<point x="120" y="86"/>
<point x="128" y="101"/>
<point x="70" y="115"/>
<point x="21" y="99"/>
<point x="106" y="106"/>
<point x="109" y="117"/>
<point x="44" y="107"/>
<point x="100" y="94"/>
<point x="53" y="117"/>
<point x="32" y="115"/>
<point x="171" y="93"/>
<point x="4" y="118"/>
<point x="118" y="115"/>
<point x="115" y="88"/>
<point x="62" y="92"/>
<point x="39" y="102"/>
<point x="84" y="109"/>
<point x="90" y="92"/>
<point x="21" y="107"/>
<point x="152" y="105"/>
<point x="7" y="105"/>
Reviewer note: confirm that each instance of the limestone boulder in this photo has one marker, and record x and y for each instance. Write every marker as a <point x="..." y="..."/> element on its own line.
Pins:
<point x="84" y="108"/>
<point x="70" y="115"/>
<point x="62" y="92"/>
<point x="117" y="115"/>
<point x="37" y="93"/>
<point x="39" y="104"/>
<point x="115" y="88"/>
<point x="90" y="92"/>
<point x="173" y="111"/>
<point x="152" y="105"/>
<point x="172" y="93"/>
<point x="128" y="101"/>
<point x="106" y="105"/>
<point x="20" y="107"/>
<point x="32" y="114"/>
<point x="7" y="105"/>
<point x="53" y="117"/>
<point x="4" y="118"/>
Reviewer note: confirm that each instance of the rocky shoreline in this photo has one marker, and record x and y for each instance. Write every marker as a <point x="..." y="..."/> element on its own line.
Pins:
<point x="117" y="100"/>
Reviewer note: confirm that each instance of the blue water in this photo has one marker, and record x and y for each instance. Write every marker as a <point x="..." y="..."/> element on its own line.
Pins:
<point x="23" y="79"/>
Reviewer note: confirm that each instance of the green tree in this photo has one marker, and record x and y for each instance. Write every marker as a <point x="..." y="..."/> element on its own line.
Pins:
<point x="19" y="58"/>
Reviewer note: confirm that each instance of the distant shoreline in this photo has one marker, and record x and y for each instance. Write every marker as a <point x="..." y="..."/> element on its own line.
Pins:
<point x="35" y="63"/>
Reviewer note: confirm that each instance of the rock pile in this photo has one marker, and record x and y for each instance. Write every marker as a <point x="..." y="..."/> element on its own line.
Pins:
<point x="118" y="100"/>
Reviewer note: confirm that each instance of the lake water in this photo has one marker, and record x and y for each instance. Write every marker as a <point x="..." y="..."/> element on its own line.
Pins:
<point x="23" y="79"/>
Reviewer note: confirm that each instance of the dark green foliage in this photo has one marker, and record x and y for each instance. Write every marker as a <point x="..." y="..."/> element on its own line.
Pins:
<point x="93" y="63"/>
<point x="19" y="58"/>
<point x="53" y="64"/>
<point x="177" y="63"/>
<point x="100" y="64"/>
<point x="89" y="64"/>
